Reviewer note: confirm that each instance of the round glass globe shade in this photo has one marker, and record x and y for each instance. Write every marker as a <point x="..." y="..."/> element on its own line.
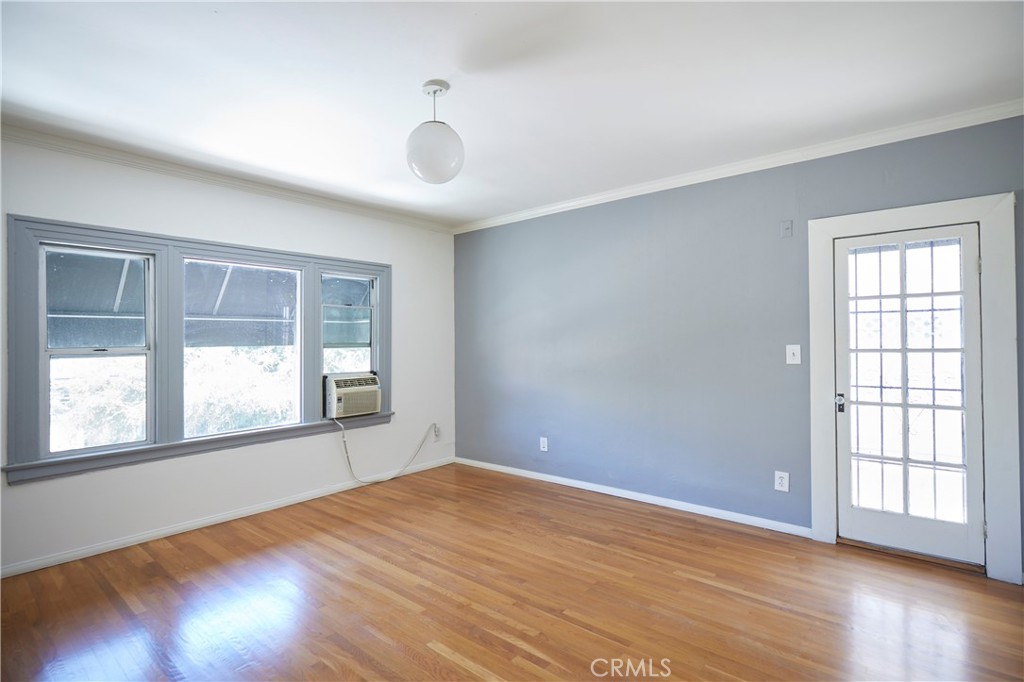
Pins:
<point x="435" y="152"/>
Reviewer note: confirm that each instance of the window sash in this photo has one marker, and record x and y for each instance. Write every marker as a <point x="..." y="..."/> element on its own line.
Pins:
<point x="115" y="298"/>
<point x="339" y="336"/>
<point x="49" y="354"/>
<point x="222" y="318"/>
<point x="150" y="409"/>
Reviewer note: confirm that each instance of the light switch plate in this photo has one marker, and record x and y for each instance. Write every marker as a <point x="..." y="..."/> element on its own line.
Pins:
<point x="793" y="354"/>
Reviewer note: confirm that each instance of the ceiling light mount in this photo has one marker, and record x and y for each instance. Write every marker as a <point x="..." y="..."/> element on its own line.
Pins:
<point x="434" y="151"/>
<point x="436" y="88"/>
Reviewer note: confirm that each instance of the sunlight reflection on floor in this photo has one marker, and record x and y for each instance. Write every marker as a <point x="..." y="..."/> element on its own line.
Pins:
<point x="892" y="637"/>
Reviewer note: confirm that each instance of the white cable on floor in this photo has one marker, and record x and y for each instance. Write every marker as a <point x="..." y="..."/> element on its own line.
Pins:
<point x="344" y="441"/>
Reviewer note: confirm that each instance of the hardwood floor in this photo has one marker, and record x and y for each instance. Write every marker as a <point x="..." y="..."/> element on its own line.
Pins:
<point x="459" y="573"/>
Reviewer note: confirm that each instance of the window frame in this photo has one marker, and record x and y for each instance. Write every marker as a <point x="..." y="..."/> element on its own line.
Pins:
<point x="47" y="354"/>
<point x="28" y="397"/>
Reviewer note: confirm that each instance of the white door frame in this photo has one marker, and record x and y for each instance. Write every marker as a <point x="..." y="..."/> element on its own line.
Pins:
<point x="995" y="217"/>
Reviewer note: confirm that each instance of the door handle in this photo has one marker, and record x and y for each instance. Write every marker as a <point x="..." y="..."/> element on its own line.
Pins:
<point x="840" y="402"/>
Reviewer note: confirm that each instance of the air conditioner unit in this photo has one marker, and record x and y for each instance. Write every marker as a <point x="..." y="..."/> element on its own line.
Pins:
<point x="346" y="395"/>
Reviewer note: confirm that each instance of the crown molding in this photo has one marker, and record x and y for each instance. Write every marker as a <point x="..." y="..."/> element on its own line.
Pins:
<point x="68" y="145"/>
<point x="19" y="132"/>
<point x="932" y="126"/>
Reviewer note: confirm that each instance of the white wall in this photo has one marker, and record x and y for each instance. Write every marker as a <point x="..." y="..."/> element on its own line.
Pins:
<point x="50" y="521"/>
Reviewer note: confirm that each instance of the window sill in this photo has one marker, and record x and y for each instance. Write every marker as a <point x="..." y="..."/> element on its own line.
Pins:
<point x="55" y="467"/>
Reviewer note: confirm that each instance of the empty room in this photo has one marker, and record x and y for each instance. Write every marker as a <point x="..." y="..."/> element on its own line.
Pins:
<point x="512" y="341"/>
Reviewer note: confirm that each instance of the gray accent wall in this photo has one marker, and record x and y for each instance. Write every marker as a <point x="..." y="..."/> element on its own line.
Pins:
<point x="645" y="338"/>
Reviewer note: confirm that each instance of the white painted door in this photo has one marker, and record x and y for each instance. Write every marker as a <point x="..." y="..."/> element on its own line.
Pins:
<point x="908" y="384"/>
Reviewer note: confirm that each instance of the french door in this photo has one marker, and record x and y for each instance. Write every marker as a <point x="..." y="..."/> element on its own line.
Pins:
<point x="908" y="391"/>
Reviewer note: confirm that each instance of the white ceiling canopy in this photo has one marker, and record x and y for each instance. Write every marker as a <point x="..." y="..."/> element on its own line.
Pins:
<point x="558" y="104"/>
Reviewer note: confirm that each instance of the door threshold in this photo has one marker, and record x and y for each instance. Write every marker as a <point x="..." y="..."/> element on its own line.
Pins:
<point x="948" y="563"/>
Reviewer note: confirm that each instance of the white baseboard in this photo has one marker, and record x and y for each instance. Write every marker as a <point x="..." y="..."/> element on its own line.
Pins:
<point x="174" y="529"/>
<point x="745" y="519"/>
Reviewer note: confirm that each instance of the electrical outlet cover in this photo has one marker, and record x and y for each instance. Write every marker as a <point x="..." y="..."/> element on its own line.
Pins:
<point x="782" y="481"/>
<point x="793" y="354"/>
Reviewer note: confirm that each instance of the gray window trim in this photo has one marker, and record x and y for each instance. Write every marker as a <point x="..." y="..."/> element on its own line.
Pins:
<point x="26" y="404"/>
<point x="56" y="467"/>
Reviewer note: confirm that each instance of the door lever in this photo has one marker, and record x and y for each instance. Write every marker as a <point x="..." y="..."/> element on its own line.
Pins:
<point x="840" y="402"/>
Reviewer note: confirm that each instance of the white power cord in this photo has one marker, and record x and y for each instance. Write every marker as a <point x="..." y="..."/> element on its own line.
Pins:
<point x="344" y="441"/>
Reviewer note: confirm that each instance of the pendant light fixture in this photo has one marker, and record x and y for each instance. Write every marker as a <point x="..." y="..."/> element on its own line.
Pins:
<point x="434" y="151"/>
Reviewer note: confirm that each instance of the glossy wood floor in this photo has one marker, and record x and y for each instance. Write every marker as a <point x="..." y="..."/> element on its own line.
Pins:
<point x="458" y="573"/>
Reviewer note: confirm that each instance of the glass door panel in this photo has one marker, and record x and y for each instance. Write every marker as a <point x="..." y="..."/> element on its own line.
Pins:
<point x="907" y="340"/>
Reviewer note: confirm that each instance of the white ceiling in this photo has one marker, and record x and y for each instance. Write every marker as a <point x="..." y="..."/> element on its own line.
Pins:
<point x="558" y="104"/>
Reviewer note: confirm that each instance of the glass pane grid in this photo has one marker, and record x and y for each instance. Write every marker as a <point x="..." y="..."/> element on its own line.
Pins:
<point x="907" y="379"/>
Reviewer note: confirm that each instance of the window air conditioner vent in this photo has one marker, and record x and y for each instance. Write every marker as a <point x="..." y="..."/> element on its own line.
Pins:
<point x="347" y="395"/>
<point x="356" y="382"/>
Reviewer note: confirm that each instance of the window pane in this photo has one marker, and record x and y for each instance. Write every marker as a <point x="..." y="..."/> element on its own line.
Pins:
<point x="345" y="360"/>
<point x="946" y="260"/>
<point x="890" y="270"/>
<point x="869" y="430"/>
<point x="95" y="299"/>
<point x="867" y="271"/>
<point x="341" y="290"/>
<point x="922" y="492"/>
<point x="233" y="304"/>
<point x="949" y="436"/>
<point x="241" y="387"/>
<point x="892" y="488"/>
<point x="241" y="350"/>
<point x="97" y="401"/>
<point x="346" y="327"/>
<point x="921" y="434"/>
<point x="919" y="268"/>
<point x="869" y="483"/>
<point x="347" y="324"/>
<point x="892" y="432"/>
<point x="949" y="496"/>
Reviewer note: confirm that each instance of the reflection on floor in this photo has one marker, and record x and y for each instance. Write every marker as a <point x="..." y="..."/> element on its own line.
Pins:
<point x="458" y="573"/>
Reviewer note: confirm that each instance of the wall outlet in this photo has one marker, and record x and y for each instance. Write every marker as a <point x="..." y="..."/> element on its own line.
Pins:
<point x="543" y="444"/>
<point x="782" y="481"/>
<point x="793" y="354"/>
<point x="437" y="432"/>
